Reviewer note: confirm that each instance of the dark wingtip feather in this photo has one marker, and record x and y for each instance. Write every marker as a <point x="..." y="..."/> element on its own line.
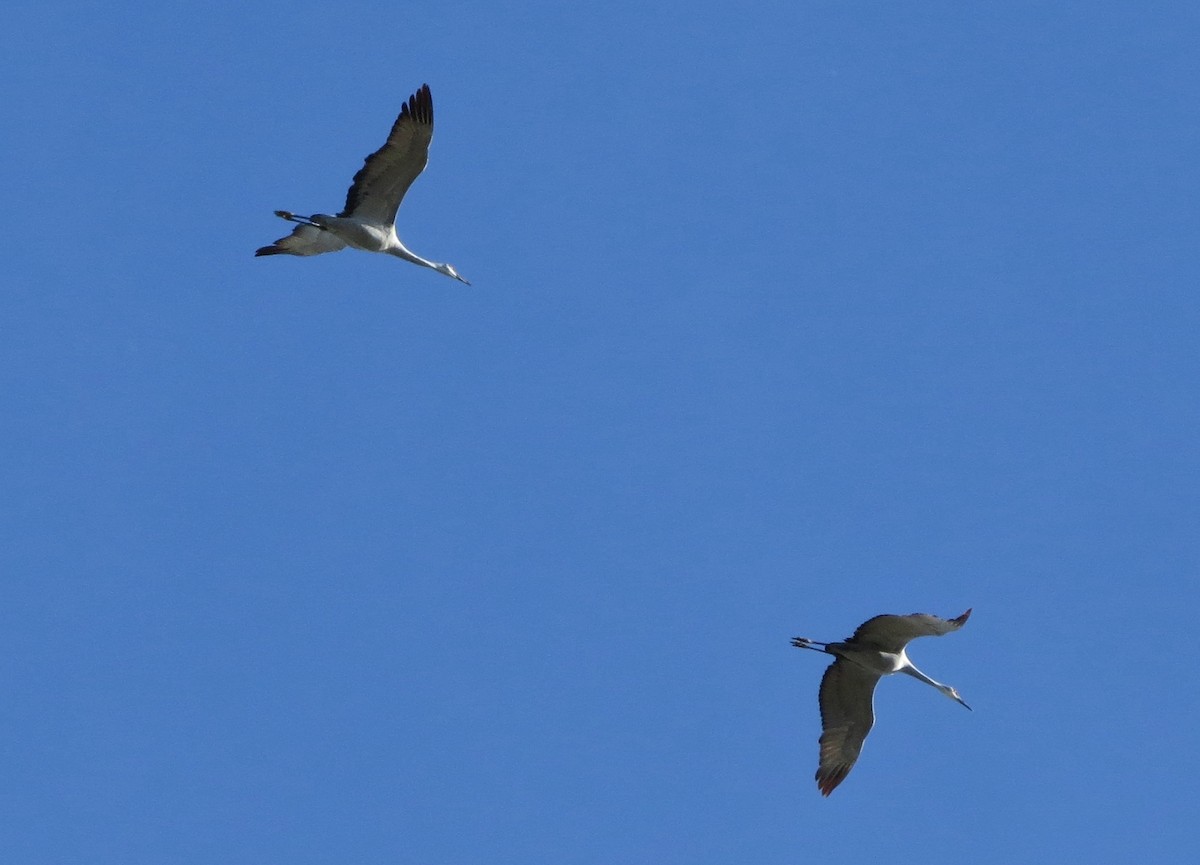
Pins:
<point x="267" y="250"/>
<point x="421" y="105"/>
<point x="827" y="781"/>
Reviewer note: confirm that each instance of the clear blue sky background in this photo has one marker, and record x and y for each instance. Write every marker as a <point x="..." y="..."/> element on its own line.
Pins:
<point x="784" y="314"/>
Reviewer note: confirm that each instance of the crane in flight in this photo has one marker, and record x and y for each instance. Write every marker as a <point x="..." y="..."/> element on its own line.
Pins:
<point x="368" y="221"/>
<point x="848" y="686"/>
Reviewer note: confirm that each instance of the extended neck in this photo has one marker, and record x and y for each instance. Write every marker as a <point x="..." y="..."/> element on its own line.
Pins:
<point x="945" y="689"/>
<point x="917" y="674"/>
<point x="399" y="250"/>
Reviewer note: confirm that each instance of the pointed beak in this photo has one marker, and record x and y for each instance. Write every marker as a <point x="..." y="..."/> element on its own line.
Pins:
<point x="964" y="703"/>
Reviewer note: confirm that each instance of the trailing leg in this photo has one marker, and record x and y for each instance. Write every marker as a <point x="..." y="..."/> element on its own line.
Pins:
<point x="291" y="217"/>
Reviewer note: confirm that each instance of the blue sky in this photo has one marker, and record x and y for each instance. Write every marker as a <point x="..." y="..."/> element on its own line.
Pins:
<point x="784" y="315"/>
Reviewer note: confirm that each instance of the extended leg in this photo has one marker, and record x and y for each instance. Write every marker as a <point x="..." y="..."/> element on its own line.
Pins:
<point x="291" y="217"/>
<point x="805" y="643"/>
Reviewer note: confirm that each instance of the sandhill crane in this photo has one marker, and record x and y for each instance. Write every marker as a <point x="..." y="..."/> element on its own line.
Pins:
<point x="368" y="221"/>
<point x="848" y="686"/>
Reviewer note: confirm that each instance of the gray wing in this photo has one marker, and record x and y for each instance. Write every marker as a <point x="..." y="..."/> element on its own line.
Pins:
<point x="892" y="633"/>
<point x="387" y="173"/>
<point x="304" y="240"/>
<point x="846" y="718"/>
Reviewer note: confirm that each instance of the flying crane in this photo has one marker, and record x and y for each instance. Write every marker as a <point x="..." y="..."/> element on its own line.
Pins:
<point x="848" y="686"/>
<point x="368" y="221"/>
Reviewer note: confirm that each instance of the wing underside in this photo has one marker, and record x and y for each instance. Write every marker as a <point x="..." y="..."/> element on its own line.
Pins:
<point x="846" y="717"/>
<point x="387" y="173"/>
<point x="304" y="240"/>
<point x="890" y="633"/>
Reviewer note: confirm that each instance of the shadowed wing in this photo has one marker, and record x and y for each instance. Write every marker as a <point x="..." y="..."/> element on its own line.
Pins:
<point x="892" y="633"/>
<point x="380" y="184"/>
<point x="846" y="718"/>
<point x="304" y="240"/>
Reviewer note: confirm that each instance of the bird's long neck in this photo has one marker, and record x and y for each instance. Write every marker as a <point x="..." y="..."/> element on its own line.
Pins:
<point x="398" y="249"/>
<point x="945" y="689"/>
<point x="917" y="674"/>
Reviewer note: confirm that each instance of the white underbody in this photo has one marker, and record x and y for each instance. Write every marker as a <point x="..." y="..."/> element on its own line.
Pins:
<point x="367" y="236"/>
<point x="880" y="663"/>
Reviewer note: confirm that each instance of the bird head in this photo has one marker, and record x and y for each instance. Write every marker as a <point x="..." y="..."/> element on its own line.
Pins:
<point x="953" y="695"/>
<point x="448" y="270"/>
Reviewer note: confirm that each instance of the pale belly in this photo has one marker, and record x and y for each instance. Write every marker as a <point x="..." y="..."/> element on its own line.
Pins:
<point x="369" y="238"/>
<point x="883" y="663"/>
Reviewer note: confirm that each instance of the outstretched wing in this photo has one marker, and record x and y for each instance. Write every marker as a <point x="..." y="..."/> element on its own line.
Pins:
<point x="304" y="240"/>
<point x="380" y="184"/>
<point x="892" y="633"/>
<point x="846" y="717"/>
